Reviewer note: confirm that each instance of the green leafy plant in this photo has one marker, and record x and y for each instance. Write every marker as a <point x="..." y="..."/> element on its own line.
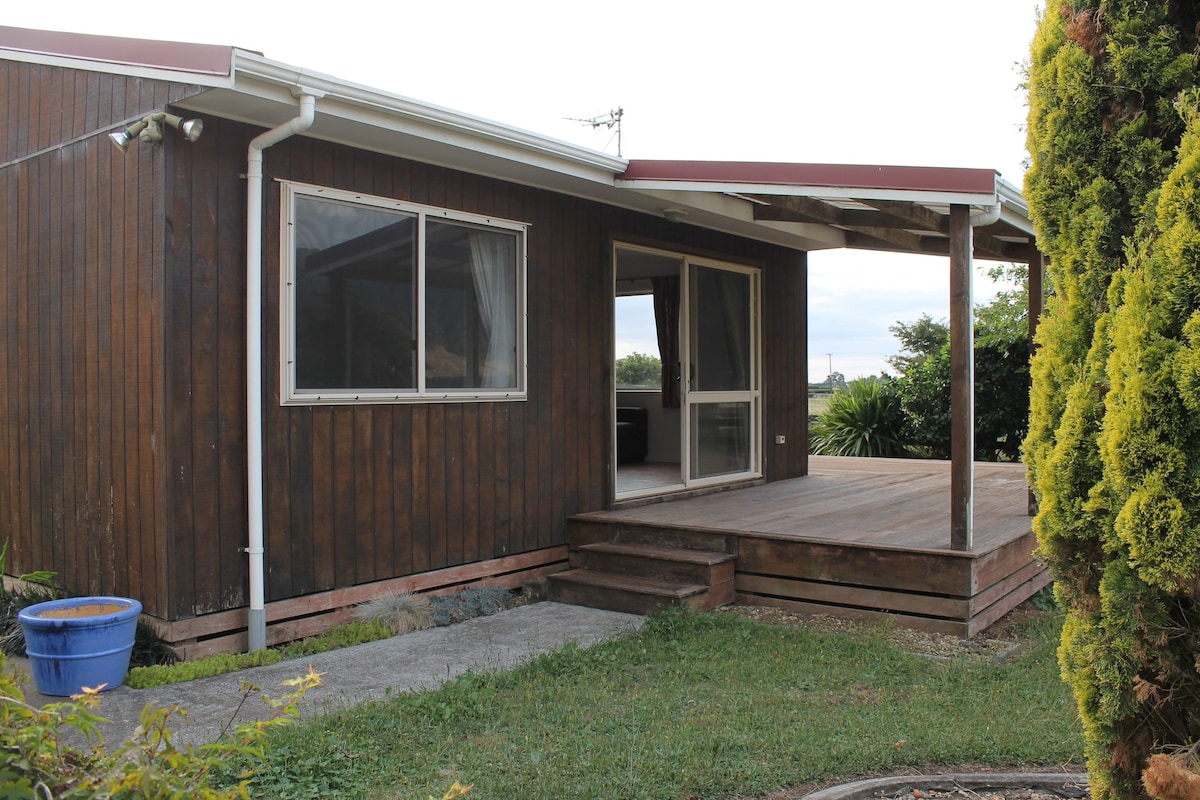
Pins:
<point x="31" y="588"/>
<point x="864" y="419"/>
<point x="1001" y="375"/>
<point x="44" y="759"/>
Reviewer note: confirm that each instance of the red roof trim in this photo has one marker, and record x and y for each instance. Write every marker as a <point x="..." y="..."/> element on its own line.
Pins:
<point x="209" y="59"/>
<point x="849" y="176"/>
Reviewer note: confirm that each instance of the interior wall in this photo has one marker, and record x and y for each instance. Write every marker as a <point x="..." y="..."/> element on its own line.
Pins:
<point x="663" y="436"/>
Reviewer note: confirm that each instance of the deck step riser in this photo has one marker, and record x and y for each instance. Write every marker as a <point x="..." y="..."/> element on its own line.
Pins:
<point x="658" y="569"/>
<point x="583" y="532"/>
<point x="563" y="589"/>
<point x="610" y="599"/>
<point x="666" y="537"/>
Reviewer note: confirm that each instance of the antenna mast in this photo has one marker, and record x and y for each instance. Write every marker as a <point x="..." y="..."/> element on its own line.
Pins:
<point x="610" y="120"/>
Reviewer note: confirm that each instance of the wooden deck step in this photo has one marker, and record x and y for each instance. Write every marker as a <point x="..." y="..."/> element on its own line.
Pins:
<point x="658" y="563"/>
<point x="632" y="595"/>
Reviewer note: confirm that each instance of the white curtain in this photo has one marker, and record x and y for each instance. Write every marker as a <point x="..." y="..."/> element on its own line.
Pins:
<point x="493" y="267"/>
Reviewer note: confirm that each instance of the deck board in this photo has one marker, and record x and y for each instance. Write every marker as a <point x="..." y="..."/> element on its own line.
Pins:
<point x="882" y="502"/>
<point x="861" y="537"/>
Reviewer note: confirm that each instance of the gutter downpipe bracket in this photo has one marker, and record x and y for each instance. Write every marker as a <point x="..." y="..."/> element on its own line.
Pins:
<point x="257" y="620"/>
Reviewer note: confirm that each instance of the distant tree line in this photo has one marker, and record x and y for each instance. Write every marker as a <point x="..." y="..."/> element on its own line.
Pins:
<point x="908" y="415"/>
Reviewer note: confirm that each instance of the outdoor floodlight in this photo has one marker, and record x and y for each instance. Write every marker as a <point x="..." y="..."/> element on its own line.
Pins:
<point x="149" y="129"/>
<point x="190" y="128"/>
<point x="122" y="138"/>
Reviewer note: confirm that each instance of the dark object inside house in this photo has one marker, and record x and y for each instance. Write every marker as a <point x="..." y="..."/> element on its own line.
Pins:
<point x="632" y="428"/>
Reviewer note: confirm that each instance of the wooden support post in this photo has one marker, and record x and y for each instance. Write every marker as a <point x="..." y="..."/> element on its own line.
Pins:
<point x="1035" y="288"/>
<point x="962" y="379"/>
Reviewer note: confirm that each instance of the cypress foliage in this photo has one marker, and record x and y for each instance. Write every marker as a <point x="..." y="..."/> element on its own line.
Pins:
<point x="1112" y="454"/>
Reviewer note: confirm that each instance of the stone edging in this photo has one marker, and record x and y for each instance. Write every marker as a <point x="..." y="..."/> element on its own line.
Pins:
<point x="1064" y="784"/>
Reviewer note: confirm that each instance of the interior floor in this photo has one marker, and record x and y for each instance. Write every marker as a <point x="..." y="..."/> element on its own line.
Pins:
<point x="647" y="475"/>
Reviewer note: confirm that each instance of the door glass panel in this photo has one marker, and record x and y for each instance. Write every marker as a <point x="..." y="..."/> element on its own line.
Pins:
<point x="720" y="330"/>
<point x="720" y="439"/>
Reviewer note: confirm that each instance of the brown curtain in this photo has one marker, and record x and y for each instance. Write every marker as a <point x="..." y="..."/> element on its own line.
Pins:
<point x="666" y="321"/>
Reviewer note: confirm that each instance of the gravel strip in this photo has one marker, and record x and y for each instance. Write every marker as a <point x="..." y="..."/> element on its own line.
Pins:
<point x="992" y="643"/>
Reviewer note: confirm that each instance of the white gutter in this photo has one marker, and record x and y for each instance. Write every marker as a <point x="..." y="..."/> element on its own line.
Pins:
<point x="986" y="215"/>
<point x="257" y="622"/>
<point x="256" y="75"/>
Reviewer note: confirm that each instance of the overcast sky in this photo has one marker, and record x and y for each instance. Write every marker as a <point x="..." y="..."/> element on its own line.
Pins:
<point x="925" y="82"/>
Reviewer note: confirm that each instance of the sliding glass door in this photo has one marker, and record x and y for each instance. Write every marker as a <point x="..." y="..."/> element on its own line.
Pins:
<point x="699" y="423"/>
<point x="721" y="380"/>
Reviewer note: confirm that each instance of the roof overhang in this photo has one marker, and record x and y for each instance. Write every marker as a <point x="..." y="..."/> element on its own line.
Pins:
<point x="892" y="208"/>
<point x="801" y="206"/>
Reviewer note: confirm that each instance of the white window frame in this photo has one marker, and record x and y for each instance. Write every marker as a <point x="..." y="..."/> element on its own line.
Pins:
<point x="290" y="395"/>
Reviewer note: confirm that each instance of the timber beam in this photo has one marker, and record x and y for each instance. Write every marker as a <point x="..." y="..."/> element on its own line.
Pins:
<point x="890" y="226"/>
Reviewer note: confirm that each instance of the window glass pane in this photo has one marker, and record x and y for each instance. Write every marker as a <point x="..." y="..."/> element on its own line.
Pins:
<point x="470" y="307"/>
<point x="355" y="296"/>
<point x="720" y="439"/>
<point x="638" y="364"/>
<point x="720" y="325"/>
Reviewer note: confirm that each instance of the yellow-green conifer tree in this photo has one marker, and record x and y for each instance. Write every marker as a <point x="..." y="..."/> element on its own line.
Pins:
<point x="1109" y="451"/>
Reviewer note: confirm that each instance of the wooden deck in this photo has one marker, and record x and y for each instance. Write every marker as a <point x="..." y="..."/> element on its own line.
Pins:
<point x="860" y="537"/>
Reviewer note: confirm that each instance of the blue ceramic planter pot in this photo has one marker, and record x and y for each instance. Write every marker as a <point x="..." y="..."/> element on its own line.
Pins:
<point x="79" y="641"/>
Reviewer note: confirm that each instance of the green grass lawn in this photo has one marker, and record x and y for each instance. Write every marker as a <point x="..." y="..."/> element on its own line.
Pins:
<point x="694" y="705"/>
<point x="818" y="404"/>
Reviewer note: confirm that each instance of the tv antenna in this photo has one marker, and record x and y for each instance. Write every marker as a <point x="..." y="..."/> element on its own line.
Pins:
<point x="610" y="120"/>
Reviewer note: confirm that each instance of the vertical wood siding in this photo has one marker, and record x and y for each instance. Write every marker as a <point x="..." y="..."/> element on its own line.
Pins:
<point x="81" y="361"/>
<point x="123" y="364"/>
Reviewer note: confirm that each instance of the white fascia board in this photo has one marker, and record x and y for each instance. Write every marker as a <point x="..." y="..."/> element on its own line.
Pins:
<point x="1013" y="209"/>
<point x="814" y="237"/>
<point x="831" y="192"/>
<point x="118" y="68"/>
<point x="254" y="74"/>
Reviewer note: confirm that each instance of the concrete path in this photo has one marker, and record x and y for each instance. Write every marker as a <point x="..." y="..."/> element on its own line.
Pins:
<point x="421" y="660"/>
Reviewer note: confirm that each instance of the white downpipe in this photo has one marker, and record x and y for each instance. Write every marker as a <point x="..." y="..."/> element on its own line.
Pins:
<point x="257" y="622"/>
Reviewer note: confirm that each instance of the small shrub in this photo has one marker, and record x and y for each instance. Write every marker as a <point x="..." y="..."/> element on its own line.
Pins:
<point x="400" y="612"/>
<point x="469" y="603"/>
<point x="864" y="419"/>
<point x="149" y="650"/>
<point x="42" y="759"/>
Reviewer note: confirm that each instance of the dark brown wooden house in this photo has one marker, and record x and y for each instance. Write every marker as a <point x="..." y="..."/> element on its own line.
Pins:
<point x="303" y="342"/>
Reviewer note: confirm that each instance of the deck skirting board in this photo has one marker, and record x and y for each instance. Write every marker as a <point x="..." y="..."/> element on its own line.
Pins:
<point x="960" y="616"/>
<point x="931" y="624"/>
<point x="945" y="573"/>
<point x="850" y="596"/>
<point x="298" y="617"/>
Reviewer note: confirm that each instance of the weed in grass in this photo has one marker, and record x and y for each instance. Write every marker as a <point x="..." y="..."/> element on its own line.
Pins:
<point x="401" y="612"/>
<point x="1045" y="600"/>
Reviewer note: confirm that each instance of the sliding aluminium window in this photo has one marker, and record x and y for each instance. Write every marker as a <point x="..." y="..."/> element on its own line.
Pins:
<point x="385" y="301"/>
